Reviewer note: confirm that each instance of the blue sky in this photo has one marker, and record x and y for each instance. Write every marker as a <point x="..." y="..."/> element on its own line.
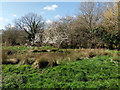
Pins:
<point x="48" y="10"/>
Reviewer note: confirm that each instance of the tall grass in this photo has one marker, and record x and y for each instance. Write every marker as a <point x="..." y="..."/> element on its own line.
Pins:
<point x="58" y="57"/>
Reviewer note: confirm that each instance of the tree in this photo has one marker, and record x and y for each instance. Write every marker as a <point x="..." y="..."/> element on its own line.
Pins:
<point x="110" y="17"/>
<point x="78" y="34"/>
<point x="31" y="24"/>
<point x="110" y="24"/>
<point x="13" y="36"/>
<point x="90" y="13"/>
<point x="57" y="32"/>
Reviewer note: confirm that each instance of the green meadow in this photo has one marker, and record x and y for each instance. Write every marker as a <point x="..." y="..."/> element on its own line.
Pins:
<point x="77" y="68"/>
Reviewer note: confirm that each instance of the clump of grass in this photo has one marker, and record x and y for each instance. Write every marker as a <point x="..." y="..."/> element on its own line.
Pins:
<point x="4" y="56"/>
<point x="98" y="52"/>
<point x="51" y="58"/>
<point x="26" y="59"/>
<point x="117" y="53"/>
<point x="7" y="54"/>
<point x="36" y="59"/>
<point x="116" y="57"/>
<point x="79" y="54"/>
<point x="92" y="54"/>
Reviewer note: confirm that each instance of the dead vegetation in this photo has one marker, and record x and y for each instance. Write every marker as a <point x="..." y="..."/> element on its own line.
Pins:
<point x="6" y="54"/>
<point x="44" y="58"/>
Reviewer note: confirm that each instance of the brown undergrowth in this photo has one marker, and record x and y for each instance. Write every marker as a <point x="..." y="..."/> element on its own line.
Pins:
<point x="43" y="59"/>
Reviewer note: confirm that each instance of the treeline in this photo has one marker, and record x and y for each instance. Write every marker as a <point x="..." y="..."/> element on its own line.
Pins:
<point x="95" y="26"/>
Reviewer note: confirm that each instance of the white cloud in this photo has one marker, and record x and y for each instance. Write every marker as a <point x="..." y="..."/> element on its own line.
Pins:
<point x="14" y="15"/>
<point x="12" y="26"/>
<point x="48" y="21"/>
<point x="1" y="18"/>
<point x="52" y="7"/>
<point x="58" y="16"/>
<point x="74" y="16"/>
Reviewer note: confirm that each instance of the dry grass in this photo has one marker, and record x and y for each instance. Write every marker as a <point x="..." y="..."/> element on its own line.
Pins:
<point x="40" y="59"/>
<point x="9" y="57"/>
<point x="86" y="53"/>
<point x="36" y="59"/>
<point x="4" y="56"/>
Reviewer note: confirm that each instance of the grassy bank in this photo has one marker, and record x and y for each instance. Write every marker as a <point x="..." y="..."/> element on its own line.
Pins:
<point x="99" y="71"/>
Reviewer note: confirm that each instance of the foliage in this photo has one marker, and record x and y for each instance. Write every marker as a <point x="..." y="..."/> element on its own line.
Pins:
<point x="110" y="39"/>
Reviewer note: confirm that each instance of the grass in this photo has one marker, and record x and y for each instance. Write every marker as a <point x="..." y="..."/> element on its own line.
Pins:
<point x="99" y="72"/>
<point x="21" y="48"/>
<point x="16" y="48"/>
<point x="80" y="68"/>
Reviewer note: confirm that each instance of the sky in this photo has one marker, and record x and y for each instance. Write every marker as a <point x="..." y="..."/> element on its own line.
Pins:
<point x="48" y="10"/>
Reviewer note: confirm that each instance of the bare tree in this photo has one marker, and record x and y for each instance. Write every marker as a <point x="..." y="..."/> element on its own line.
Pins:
<point x="31" y="24"/>
<point x="90" y="13"/>
<point x="13" y="36"/>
